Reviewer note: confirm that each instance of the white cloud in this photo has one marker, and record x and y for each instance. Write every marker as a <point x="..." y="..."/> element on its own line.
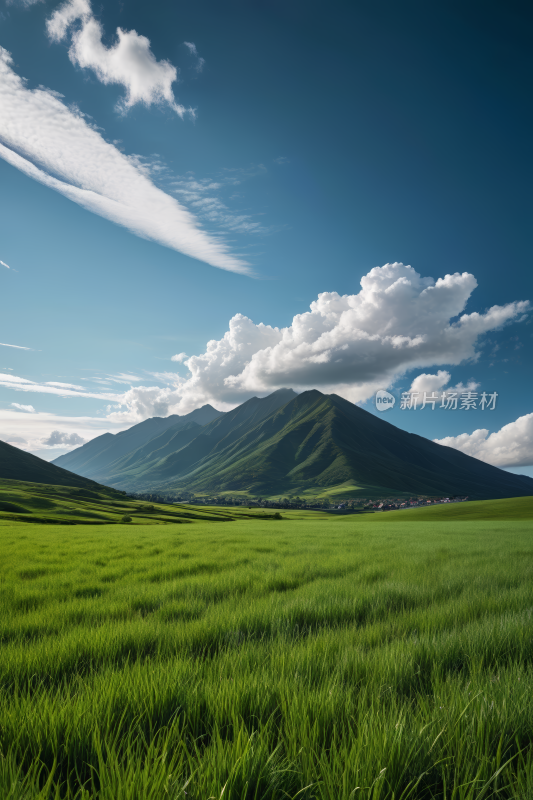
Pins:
<point x="3" y="263"/>
<point x="29" y="409"/>
<point x="62" y="389"/>
<point x="65" y="385"/>
<point x="62" y="439"/>
<point x="351" y="344"/>
<point x="16" y="346"/>
<point x="124" y="377"/>
<point x="129" y="62"/>
<point x="511" y="446"/>
<point x="29" y="430"/>
<point x="199" y="65"/>
<point x="199" y="194"/>
<point x="55" y="145"/>
<point x="429" y="384"/>
<point x="24" y="3"/>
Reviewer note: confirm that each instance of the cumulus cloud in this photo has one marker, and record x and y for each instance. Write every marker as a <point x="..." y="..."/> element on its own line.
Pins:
<point x="199" y="62"/>
<point x="62" y="439"/>
<point x="511" y="446"/>
<point x="56" y="146"/>
<point x="426" y="383"/>
<point x="16" y="440"/>
<point x="129" y="62"/>
<point x="29" y="409"/>
<point x="350" y="344"/>
<point x="28" y="430"/>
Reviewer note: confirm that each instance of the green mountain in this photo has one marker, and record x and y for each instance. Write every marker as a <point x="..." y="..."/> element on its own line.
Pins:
<point x="18" y="465"/>
<point x="93" y="459"/>
<point x="291" y="444"/>
<point x="132" y="468"/>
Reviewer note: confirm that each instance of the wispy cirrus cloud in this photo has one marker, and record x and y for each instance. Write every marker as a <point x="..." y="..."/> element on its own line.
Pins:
<point x="16" y="346"/>
<point x="3" y="263"/>
<point x="123" y="377"/>
<point x="199" y="62"/>
<point x="129" y="62"/>
<point x="23" y="3"/>
<point x="203" y="197"/>
<point x="52" y="387"/>
<point x="56" y="146"/>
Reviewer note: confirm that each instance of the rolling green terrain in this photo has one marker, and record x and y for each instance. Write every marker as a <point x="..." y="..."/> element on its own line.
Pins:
<point x="324" y="657"/>
<point x="33" y="502"/>
<point x="302" y="445"/>
<point x="508" y="509"/>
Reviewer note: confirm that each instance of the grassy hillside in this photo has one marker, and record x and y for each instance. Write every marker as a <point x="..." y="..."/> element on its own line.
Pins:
<point x="507" y="509"/>
<point x="41" y="503"/>
<point x="337" y="659"/>
<point x="16" y="464"/>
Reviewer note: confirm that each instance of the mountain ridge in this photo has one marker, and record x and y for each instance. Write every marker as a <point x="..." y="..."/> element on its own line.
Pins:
<point x="293" y="443"/>
<point x="92" y="458"/>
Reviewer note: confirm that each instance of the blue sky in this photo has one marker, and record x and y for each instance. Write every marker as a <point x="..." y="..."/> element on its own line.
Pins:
<point x="299" y="147"/>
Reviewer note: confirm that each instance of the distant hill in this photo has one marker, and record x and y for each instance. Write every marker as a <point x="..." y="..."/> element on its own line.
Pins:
<point x="288" y="443"/>
<point x="23" y="501"/>
<point x="18" y="465"/>
<point x="504" y="509"/>
<point x="93" y="459"/>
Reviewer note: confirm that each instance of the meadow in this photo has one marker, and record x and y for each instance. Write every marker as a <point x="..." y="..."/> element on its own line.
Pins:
<point x="22" y="501"/>
<point x="337" y="658"/>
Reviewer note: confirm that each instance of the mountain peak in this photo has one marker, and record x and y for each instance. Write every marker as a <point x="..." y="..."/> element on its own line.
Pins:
<point x="289" y="442"/>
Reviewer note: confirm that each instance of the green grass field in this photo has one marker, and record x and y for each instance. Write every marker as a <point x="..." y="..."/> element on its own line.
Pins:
<point x="367" y="656"/>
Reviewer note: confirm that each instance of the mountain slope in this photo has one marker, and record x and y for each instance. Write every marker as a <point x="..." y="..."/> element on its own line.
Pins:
<point x="18" y="465"/>
<point x="92" y="460"/>
<point x="182" y="445"/>
<point x="313" y="441"/>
